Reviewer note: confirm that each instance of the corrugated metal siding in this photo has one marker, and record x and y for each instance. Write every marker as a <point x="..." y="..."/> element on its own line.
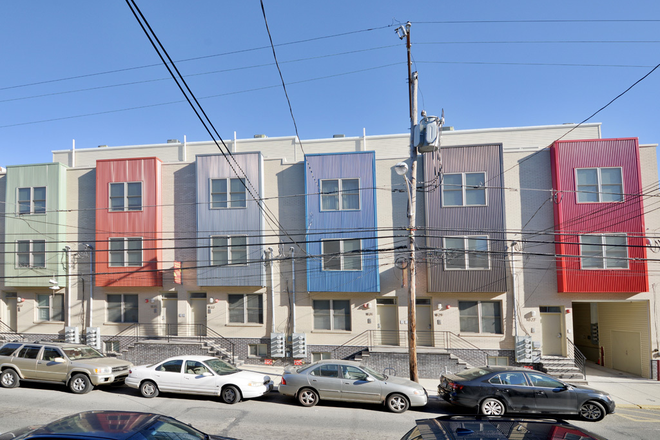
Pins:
<point x="342" y="224"/>
<point x="49" y="226"/>
<point x="470" y="220"/>
<point x="239" y="221"/>
<point x="146" y="223"/>
<point x="572" y="218"/>
<point x="629" y="317"/>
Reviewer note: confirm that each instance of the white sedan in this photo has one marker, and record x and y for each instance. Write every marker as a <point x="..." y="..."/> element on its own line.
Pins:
<point x="198" y="375"/>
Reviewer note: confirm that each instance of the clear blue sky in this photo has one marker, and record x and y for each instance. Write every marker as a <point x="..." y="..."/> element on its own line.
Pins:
<point x="56" y="81"/>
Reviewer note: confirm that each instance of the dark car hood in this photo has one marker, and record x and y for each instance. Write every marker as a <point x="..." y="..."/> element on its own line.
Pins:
<point x="585" y="389"/>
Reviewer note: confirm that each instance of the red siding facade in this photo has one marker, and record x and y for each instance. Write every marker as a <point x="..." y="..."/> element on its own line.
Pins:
<point x="145" y="222"/>
<point x="573" y="220"/>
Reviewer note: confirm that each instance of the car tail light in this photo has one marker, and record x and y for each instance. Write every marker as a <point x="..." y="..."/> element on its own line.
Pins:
<point x="283" y="382"/>
<point x="130" y="371"/>
<point x="456" y="386"/>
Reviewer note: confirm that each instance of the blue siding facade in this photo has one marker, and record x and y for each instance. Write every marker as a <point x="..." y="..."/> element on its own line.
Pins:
<point x="230" y="221"/>
<point x="341" y="224"/>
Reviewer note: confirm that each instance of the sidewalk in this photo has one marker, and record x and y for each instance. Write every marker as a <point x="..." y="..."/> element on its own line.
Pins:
<point x="627" y="390"/>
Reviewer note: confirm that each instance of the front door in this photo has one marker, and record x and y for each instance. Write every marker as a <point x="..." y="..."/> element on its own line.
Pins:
<point x="327" y="381"/>
<point x="423" y="318"/>
<point x="386" y="320"/>
<point x="198" y="312"/>
<point x="553" y="335"/>
<point x="626" y="352"/>
<point x="552" y="396"/>
<point x="169" y="315"/>
<point x="195" y="382"/>
<point x="10" y="311"/>
<point x="356" y="387"/>
<point x="52" y="366"/>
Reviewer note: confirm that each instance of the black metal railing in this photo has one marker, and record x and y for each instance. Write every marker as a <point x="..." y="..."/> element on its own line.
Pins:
<point x="443" y="340"/>
<point x="170" y="333"/>
<point x="6" y="332"/>
<point x="579" y="359"/>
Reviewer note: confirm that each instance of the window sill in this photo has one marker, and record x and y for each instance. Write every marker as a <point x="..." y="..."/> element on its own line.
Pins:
<point x="481" y="335"/>
<point x="331" y="332"/>
<point x="241" y="324"/>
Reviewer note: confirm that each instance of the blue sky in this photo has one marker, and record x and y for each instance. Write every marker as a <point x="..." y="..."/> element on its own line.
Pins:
<point x="84" y="70"/>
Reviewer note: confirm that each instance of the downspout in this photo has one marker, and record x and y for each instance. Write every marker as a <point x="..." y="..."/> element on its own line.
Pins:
<point x="73" y="154"/>
<point x="67" y="251"/>
<point x="514" y="291"/>
<point x="272" y="290"/>
<point x="90" y="249"/>
<point x="293" y="281"/>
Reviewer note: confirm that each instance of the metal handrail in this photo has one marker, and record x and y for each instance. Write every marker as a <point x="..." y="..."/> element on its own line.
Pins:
<point x="5" y="329"/>
<point x="361" y="340"/>
<point x="579" y="359"/>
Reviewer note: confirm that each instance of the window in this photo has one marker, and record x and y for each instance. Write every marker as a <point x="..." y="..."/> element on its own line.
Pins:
<point x="599" y="185"/>
<point x="228" y="250"/>
<point x="50" y="307"/>
<point x="51" y="353"/>
<point x="9" y="349"/>
<point x="509" y="379"/>
<point x="126" y="196"/>
<point x="340" y="195"/>
<point x="464" y="189"/>
<point x="31" y="253"/>
<point x="246" y="309"/>
<point x="171" y="366"/>
<point x="498" y="360"/>
<point x="29" y="352"/>
<point x="228" y="193"/>
<point x="195" y="367"/>
<point x="332" y="314"/>
<point x="466" y="253"/>
<point x="32" y="200"/>
<point x="604" y="251"/>
<point x="480" y="316"/>
<point x="125" y="251"/>
<point x="327" y="370"/>
<point x="122" y="308"/>
<point x="257" y="350"/>
<point x="342" y="254"/>
<point x="541" y="380"/>
<point x="321" y="355"/>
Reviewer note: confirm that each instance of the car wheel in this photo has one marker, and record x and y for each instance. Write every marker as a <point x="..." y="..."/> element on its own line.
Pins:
<point x="308" y="397"/>
<point x="492" y="407"/>
<point x="148" y="389"/>
<point x="592" y="411"/>
<point x="230" y="394"/>
<point x="397" y="403"/>
<point x="80" y="384"/>
<point x="9" y="378"/>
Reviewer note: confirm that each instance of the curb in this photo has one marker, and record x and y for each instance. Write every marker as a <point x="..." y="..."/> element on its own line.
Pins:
<point x="634" y="406"/>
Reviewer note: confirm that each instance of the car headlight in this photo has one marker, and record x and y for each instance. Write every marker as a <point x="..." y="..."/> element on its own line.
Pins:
<point x="104" y="370"/>
<point x="419" y="392"/>
<point x="255" y="384"/>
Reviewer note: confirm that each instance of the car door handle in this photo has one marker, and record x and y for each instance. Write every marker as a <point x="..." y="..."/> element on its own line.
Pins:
<point x="540" y="393"/>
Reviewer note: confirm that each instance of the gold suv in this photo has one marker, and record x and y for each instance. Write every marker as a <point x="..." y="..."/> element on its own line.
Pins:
<point x="78" y="366"/>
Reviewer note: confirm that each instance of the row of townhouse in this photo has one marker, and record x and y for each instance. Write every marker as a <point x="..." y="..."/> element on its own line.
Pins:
<point x="521" y="239"/>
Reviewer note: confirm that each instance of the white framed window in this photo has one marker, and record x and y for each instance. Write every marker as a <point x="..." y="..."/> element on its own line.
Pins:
<point x="466" y="252"/>
<point x="31" y="253"/>
<point x="125" y="251"/>
<point x="257" y="350"/>
<point x="228" y="193"/>
<point x="332" y="314"/>
<point x="464" y="189"/>
<point x="31" y="200"/>
<point x="319" y="356"/>
<point x="599" y="185"/>
<point x="480" y="316"/>
<point x="125" y="196"/>
<point x="229" y="249"/>
<point x="340" y="194"/>
<point x="50" y="307"/>
<point x="502" y="361"/>
<point x="246" y="308"/>
<point x="604" y="251"/>
<point x="122" y="307"/>
<point x="342" y="254"/>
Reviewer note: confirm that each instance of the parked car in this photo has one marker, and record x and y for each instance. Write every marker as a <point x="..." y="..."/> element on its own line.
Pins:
<point x="499" y="390"/>
<point x="111" y="425"/>
<point x="203" y="375"/>
<point x="494" y="428"/>
<point x="79" y="366"/>
<point x="350" y="381"/>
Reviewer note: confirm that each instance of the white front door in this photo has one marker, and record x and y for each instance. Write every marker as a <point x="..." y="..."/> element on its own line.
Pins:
<point x="553" y="331"/>
<point x="169" y="315"/>
<point x="198" y="315"/>
<point x="423" y="319"/>
<point x="386" y="322"/>
<point x="10" y="313"/>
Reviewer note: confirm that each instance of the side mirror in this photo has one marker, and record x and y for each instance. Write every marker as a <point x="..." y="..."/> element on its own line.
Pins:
<point x="207" y="374"/>
<point x="59" y="360"/>
<point x="370" y="379"/>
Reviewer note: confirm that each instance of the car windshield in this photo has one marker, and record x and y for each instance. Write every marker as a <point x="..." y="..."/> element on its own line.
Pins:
<point x="85" y="352"/>
<point x="221" y="367"/>
<point x="472" y="373"/>
<point x="170" y="429"/>
<point x="374" y="373"/>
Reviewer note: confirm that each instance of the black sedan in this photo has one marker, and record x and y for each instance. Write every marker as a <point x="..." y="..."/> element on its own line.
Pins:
<point x="111" y="425"/>
<point x="498" y="390"/>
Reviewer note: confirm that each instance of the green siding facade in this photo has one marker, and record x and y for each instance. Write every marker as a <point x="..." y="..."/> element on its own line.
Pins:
<point x="48" y="226"/>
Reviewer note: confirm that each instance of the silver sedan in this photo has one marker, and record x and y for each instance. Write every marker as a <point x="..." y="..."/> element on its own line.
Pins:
<point x="350" y="381"/>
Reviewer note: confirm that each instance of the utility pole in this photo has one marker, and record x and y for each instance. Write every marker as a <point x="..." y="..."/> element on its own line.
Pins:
<point x="412" y="287"/>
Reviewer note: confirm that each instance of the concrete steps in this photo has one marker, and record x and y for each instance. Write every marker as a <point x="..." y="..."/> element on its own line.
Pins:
<point x="562" y="368"/>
